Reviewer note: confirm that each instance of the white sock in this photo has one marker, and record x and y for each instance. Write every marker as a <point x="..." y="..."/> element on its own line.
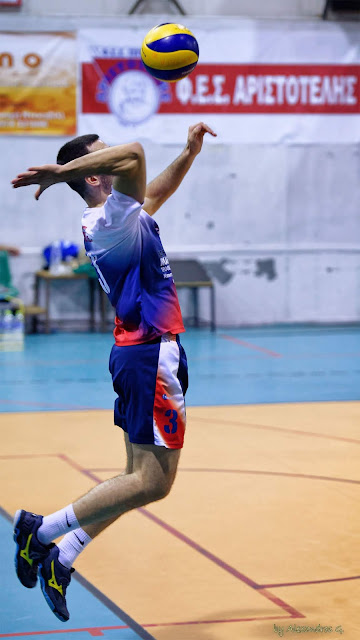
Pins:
<point x="72" y="545"/>
<point x="57" y="524"/>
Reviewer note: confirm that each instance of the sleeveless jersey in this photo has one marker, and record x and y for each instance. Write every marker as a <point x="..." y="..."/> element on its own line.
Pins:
<point x="124" y="246"/>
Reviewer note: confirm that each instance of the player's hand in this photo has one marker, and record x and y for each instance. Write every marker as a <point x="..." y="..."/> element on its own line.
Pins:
<point x="196" y="136"/>
<point x="13" y="251"/>
<point x="44" y="176"/>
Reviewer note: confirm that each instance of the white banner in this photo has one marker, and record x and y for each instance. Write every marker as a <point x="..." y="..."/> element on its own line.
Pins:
<point x="38" y="83"/>
<point x="257" y="82"/>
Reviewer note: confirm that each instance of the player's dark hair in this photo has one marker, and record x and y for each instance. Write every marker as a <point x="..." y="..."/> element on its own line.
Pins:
<point x="75" y="149"/>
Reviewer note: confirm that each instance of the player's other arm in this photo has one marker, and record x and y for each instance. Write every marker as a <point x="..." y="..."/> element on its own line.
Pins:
<point x="125" y="162"/>
<point x="13" y="251"/>
<point x="162" y="187"/>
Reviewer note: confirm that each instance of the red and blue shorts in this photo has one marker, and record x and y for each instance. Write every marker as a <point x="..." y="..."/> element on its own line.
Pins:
<point x="151" y="380"/>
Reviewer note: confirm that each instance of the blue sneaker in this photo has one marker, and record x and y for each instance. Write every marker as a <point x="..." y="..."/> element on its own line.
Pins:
<point x="29" y="550"/>
<point x="54" y="580"/>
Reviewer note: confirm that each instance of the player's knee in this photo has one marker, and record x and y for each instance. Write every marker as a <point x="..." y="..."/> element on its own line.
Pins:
<point x="159" y="488"/>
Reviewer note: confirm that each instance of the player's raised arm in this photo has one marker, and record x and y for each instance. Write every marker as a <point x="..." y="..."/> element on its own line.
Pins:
<point x="125" y="162"/>
<point x="162" y="187"/>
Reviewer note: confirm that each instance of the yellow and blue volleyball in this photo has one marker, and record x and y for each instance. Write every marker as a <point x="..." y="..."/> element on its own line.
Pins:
<point x="169" y="52"/>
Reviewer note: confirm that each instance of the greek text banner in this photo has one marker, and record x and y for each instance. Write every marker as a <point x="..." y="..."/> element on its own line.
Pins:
<point x="38" y="83"/>
<point x="304" y="87"/>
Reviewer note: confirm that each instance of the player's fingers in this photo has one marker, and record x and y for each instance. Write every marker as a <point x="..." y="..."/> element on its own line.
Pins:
<point x="28" y="174"/>
<point x="21" y="176"/>
<point x="18" y="183"/>
<point x="22" y="182"/>
<point x="195" y="128"/>
<point x="24" y="179"/>
<point x="192" y="131"/>
<point x="39" y="192"/>
<point x="198" y="130"/>
<point x="207" y="129"/>
<point x="202" y="128"/>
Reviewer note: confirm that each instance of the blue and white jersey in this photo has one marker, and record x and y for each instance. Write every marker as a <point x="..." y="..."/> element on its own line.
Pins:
<point x="124" y="245"/>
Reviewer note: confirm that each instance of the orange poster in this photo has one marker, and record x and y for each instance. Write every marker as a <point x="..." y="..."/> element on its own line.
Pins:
<point x="38" y="83"/>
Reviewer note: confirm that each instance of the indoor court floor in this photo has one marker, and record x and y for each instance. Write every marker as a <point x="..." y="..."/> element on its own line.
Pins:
<point x="258" y="538"/>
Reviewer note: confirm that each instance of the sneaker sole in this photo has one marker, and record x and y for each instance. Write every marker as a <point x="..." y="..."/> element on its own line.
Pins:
<point x="48" y="600"/>
<point x="16" y="532"/>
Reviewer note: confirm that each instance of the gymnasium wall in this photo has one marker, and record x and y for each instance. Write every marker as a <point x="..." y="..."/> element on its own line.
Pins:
<point x="103" y="8"/>
<point x="275" y="222"/>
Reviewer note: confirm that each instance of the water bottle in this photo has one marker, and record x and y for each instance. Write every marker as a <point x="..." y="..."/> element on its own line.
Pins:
<point x="6" y="329"/>
<point x="11" y="330"/>
<point x="7" y="321"/>
<point x="55" y="258"/>
<point x="18" y="330"/>
<point x="1" y="329"/>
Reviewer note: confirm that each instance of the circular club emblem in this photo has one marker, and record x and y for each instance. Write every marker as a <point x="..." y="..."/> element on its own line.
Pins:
<point x="133" y="97"/>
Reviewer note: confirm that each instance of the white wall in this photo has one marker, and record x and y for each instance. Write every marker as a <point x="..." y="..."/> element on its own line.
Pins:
<point x="103" y="8"/>
<point x="277" y="226"/>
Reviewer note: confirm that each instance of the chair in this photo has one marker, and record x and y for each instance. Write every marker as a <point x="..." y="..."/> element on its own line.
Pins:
<point x="9" y="293"/>
<point x="7" y="290"/>
<point x="192" y="275"/>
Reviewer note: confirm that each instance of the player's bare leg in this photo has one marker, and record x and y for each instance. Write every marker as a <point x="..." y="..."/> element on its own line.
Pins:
<point x="153" y="473"/>
<point x="93" y="530"/>
<point x="149" y="474"/>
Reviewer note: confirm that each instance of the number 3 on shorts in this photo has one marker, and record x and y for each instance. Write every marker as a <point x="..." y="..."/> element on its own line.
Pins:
<point x="173" y="421"/>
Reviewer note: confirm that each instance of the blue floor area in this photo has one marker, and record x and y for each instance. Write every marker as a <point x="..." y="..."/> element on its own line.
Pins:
<point x="24" y="611"/>
<point x="64" y="371"/>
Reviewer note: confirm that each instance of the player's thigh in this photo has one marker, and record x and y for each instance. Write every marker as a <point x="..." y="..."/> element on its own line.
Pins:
<point x="129" y="454"/>
<point x="155" y="464"/>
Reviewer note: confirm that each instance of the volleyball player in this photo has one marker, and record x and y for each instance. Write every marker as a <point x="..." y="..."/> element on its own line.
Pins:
<point x="147" y="362"/>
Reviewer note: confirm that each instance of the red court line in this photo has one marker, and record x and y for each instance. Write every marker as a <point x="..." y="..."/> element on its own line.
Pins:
<point x="255" y="472"/>
<point x="334" y="354"/>
<point x="250" y="345"/>
<point x="194" y="545"/>
<point x="95" y="631"/>
<point x="298" y="432"/>
<point x="98" y="631"/>
<point x="284" y="474"/>
<point x="296" y="584"/>
<point x="196" y="622"/>
<point x="220" y="563"/>
<point x="91" y="473"/>
<point x="77" y="467"/>
<point x="259" y="588"/>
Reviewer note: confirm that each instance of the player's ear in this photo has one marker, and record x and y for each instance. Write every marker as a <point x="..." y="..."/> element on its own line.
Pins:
<point x="93" y="181"/>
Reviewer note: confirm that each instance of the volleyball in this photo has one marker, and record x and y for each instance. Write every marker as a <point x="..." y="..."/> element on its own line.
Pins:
<point x="169" y="52"/>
